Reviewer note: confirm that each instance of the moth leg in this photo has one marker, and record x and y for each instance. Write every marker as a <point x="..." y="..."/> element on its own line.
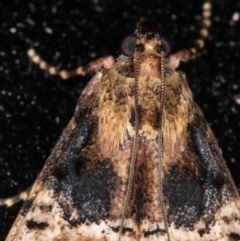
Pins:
<point x="15" y="199"/>
<point x="190" y="53"/>
<point x="106" y="62"/>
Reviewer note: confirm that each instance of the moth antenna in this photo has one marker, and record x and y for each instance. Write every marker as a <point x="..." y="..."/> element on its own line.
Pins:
<point x="203" y="33"/>
<point x="15" y="199"/>
<point x="135" y="146"/>
<point x="91" y="68"/>
<point x="190" y="53"/>
<point x="160" y="142"/>
<point x="234" y="19"/>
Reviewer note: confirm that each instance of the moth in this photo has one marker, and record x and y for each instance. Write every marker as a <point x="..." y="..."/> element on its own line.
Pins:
<point x="137" y="161"/>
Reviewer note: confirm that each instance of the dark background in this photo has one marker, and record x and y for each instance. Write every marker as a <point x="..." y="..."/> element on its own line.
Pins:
<point x="35" y="107"/>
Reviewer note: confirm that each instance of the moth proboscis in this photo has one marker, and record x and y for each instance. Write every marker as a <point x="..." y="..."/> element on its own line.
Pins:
<point x="137" y="160"/>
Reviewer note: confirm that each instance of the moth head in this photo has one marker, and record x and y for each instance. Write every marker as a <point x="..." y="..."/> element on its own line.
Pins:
<point x="150" y="40"/>
<point x="145" y="39"/>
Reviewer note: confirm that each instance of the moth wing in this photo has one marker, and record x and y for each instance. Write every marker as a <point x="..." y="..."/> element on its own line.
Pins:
<point x="202" y="200"/>
<point x="42" y="217"/>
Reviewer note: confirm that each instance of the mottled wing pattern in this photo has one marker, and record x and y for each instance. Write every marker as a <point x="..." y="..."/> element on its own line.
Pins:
<point x="81" y="191"/>
<point x="201" y="198"/>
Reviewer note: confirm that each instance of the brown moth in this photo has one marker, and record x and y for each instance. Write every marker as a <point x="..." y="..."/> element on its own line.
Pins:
<point x="137" y="160"/>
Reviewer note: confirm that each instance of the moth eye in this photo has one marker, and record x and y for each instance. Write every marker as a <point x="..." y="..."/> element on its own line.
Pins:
<point x="157" y="36"/>
<point x="166" y="45"/>
<point x="128" y="45"/>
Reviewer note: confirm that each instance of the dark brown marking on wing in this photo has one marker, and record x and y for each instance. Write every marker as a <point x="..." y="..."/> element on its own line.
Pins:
<point x="124" y="230"/>
<point x="154" y="231"/>
<point x="138" y="210"/>
<point x="60" y="171"/>
<point x="234" y="236"/>
<point x="201" y="232"/>
<point x="84" y="184"/>
<point x="213" y="176"/>
<point x="31" y="224"/>
<point x="93" y="192"/>
<point x="183" y="191"/>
